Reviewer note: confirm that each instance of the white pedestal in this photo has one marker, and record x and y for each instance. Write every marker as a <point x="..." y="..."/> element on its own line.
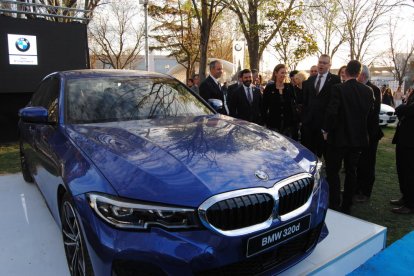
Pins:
<point x="350" y="243"/>
<point x="31" y="244"/>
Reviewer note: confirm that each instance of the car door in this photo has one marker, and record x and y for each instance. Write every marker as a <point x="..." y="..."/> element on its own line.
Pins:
<point x="47" y="139"/>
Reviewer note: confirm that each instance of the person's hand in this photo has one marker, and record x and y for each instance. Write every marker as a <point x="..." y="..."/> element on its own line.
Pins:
<point x="325" y="136"/>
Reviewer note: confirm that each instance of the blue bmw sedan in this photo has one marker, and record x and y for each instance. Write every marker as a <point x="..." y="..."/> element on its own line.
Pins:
<point x="145" y="178"/>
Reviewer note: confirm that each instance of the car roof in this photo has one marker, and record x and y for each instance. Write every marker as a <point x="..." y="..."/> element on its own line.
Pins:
<point x="86" y="73"/>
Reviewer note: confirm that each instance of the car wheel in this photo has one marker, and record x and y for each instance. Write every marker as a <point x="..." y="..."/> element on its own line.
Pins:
<point x="75" y="249"/>
<point x="27" y="176"/>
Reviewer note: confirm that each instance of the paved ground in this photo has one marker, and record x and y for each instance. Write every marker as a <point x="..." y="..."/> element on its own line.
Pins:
<point x="30" y="240"/>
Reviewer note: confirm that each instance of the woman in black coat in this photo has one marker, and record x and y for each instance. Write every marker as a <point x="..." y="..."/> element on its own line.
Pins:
<point x="279" y="103"/>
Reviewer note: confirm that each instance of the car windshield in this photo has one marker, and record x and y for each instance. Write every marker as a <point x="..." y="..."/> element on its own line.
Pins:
<point x="92" y="100"/>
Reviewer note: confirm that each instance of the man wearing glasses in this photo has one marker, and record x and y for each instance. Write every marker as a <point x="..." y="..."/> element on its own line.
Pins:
<point x="316" y="93"/>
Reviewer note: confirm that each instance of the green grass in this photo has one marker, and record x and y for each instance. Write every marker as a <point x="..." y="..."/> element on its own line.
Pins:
<point x="9" y="159"/>
<point x="386" y="187"/>
<point x="377" y="210"/>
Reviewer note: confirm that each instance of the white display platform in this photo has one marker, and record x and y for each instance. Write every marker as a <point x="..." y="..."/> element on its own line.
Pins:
<point x="31" y="244"/>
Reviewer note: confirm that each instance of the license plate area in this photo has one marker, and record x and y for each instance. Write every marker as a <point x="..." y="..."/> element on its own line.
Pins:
<point x="278" y="235"/>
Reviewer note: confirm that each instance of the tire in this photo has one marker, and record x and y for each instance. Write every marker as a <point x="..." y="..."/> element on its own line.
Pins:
<point x="77" y="256"/>
<point x="27" y="176"/>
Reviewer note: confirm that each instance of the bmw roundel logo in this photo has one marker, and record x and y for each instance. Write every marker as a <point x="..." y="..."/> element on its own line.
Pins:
<point x="237" y="47"/>
<point x="22" y="44"/>
<point x="261" y="175"/>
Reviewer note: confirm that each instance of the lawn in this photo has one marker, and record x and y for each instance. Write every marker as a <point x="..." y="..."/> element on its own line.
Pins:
<point x="9" y="159"/>
<point x="377" y="210"/>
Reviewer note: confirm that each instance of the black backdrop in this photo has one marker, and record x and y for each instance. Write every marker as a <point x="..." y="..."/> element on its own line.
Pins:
<point x="60" y="46"/>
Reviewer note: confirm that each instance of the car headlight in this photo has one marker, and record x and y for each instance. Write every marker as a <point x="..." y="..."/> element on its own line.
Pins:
<point x="127" y="214"/>
<point x="317" y="174"/>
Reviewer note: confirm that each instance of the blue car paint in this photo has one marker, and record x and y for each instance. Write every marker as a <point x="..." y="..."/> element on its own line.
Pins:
<point x="185" y="160"/>
<point x="180" y="161"/>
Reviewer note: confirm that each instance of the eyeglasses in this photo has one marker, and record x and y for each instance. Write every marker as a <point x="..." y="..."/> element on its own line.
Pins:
<point x="323" y="62"/>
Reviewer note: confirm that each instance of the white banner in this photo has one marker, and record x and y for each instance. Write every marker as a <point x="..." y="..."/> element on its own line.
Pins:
<point x="22" y="49"/>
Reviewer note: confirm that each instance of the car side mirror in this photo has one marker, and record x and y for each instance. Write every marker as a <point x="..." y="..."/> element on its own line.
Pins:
<point x="216" y="104"/>
<point x="34" y="114"/>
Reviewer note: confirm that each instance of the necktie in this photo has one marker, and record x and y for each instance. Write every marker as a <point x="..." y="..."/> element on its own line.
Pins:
<point x="249" y="95"/>
<point x="318" y="84"/>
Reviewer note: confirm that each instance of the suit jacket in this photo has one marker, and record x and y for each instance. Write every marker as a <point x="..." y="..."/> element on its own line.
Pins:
<point x="277" y="108"/>
<point x="242" y="109"/>
<point x="404" y="134"/>
<point x="210" y="90"/>
<point x="314" y="104"/>
<point x="230" y="91"/>
<point x="377" y="133"/>
<point x="348" y="118"/>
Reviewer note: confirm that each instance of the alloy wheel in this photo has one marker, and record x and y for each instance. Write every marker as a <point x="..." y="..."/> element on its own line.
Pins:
<point x="72" y="241"/>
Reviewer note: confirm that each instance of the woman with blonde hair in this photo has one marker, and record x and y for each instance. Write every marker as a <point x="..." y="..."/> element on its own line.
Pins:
<point x="279" y="103"/>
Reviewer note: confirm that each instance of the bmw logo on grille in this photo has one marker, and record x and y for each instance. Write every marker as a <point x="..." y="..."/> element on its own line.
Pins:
<point x="22" y="44"/>
<point x="261" y="175"/>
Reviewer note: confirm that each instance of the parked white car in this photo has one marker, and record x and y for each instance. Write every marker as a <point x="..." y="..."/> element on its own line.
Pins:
<point x="387" y="115"/>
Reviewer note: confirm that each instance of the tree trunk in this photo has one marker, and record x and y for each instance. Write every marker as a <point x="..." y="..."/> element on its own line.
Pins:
<point x="204" y="38"/>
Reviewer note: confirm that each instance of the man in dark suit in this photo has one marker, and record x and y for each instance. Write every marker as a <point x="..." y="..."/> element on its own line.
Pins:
<point x="232" y="88"/>
<point x="316" y="94"/>
<point x="366" y="166"/>
<point x="210" y="88"/>
<point x="246" y="100"/>
<point x="346" y="128"/>
<point x="404" y="152"/>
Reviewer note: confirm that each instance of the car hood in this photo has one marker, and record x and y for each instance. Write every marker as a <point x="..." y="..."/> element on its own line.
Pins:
<point x="387" y="108"/>
<point x="184" y="161"/>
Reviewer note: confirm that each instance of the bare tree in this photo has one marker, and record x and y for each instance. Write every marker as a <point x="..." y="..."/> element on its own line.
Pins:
<point x="114" y="39"/>
<point x="259" y="31"/>
<point x="323" y="18"/>
<point x="55" y="10"/>
<point x="399" y="57"/>
<point x="207" y="12"/>
<point x="176" y="31"/>
<point x="363" y="19"/>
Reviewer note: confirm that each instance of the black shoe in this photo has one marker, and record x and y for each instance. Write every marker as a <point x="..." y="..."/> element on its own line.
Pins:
<point x="397" y="202"/>
<point x="403" y="210"/>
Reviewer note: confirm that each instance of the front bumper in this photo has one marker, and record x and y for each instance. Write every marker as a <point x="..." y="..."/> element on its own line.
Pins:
<point x="159" y="251"/>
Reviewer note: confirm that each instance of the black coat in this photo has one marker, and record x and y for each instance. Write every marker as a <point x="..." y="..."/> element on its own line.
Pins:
<point x="314" y="104"/>
<point x="348" y="118"/>
<point x="404" y="134"/>
<point x="278" y="107"/>
<point x="377" y="133"/>
<point x="242" y="109"/>
<point x="209" y="89"/>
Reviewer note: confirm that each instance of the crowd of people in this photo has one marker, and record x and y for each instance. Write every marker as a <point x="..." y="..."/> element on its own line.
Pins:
<point x="336" y="116"/>
<point x="394" y="98"/>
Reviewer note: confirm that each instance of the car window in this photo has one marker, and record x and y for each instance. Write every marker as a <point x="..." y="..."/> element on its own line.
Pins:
<point x="47" y="96"/>
<point x="129" y="98"/>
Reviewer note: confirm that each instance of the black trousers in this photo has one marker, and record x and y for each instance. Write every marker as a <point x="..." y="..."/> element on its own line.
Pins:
<point x="313" y="140"/>
<point x="405" y="169"/>
<point x="366" y="169"/>
<point x="334" y="158"/>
